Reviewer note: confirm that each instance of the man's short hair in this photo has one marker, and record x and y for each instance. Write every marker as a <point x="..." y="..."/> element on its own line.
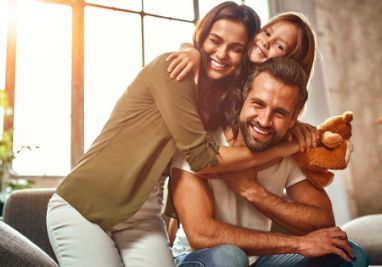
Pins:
<point x="285" y="70"/>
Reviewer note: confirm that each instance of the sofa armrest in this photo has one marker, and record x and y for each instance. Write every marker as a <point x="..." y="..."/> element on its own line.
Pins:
<point x="366" y="231"/>
<point x="17" y="250"/>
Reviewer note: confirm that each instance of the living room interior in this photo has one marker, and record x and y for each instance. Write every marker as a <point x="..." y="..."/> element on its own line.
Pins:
<point x="64" y="64"/>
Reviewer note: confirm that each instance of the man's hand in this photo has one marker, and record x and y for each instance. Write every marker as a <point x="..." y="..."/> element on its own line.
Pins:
<point x="325" y="241"/>
<point x="240" y="182"/>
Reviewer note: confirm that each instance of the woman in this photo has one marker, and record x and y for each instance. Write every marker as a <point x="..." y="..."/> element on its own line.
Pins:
<point x="106" y="212"/>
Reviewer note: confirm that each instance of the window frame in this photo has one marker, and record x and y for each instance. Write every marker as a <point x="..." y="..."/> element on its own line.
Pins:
<point x="77" y="67"/>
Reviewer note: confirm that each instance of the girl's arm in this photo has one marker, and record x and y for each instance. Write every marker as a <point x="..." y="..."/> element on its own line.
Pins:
<point x="183" y="61"/>
<point x="306" y="135"/>
<point x="300" y="138"/>
<point x="232" y="159"/>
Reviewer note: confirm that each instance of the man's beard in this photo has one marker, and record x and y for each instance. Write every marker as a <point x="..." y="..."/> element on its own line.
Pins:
<point x="257" y="145"/>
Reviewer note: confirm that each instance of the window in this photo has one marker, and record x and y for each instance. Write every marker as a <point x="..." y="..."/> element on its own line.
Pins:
<point x="3" y="40"/>
<point x="42" y="88"/>
<point x="72" y="61"/>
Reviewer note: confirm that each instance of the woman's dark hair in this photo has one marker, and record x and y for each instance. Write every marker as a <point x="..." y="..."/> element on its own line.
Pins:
<point x="220" y="100"/>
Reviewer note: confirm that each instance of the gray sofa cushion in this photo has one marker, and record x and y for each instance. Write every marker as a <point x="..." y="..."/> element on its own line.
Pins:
<point x="17" y="250"/>
<point x="25" y="211"/>
<point x="366" y="231"/>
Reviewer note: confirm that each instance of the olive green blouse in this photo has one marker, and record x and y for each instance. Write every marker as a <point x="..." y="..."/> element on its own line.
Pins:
<point x="154" y="117"/>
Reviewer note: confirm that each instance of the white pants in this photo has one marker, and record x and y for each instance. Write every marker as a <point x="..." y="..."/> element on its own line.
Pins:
<point x="140" y="241"/>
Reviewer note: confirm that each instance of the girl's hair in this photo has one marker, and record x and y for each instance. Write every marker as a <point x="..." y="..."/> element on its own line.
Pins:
<point x="220" y="99"/>
<point x="305" y="50"/>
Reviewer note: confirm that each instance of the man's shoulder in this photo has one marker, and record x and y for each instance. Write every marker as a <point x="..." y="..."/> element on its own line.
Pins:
<point x="289" y="162"/>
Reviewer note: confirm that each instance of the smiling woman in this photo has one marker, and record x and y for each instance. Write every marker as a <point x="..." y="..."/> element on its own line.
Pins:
<point x="224" y="48"/>
<point x="155" y="116"/>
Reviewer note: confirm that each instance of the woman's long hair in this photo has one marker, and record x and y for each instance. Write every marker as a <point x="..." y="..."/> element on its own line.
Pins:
<point x="219" y="100"/>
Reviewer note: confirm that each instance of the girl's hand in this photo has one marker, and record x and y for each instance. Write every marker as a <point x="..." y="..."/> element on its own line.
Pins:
<point x="182" y="62"/>
<point x="306" y="135"/>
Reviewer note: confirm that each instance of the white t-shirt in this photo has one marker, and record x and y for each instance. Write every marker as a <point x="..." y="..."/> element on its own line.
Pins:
<point x="233" y="209"/>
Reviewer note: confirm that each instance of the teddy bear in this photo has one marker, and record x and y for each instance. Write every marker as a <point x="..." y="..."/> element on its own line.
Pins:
<point x="332" y="153"/>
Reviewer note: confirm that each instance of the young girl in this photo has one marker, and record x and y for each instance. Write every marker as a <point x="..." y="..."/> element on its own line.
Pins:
<point x="106" y="212"/>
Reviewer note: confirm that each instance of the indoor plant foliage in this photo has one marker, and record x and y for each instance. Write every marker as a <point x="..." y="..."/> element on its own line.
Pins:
<point x="6" y="150"/>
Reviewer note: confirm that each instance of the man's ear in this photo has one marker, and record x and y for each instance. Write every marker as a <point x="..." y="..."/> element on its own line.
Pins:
<point x="293" y="121"/>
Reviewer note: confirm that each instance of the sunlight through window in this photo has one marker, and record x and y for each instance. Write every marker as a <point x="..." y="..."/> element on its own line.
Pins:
<point x="3" y="40"/>
<point x="42" y="90"/>
<point x="113" y="58"/>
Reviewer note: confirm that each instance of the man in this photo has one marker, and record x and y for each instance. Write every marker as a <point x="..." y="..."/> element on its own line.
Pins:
<point x="212" y="215"/>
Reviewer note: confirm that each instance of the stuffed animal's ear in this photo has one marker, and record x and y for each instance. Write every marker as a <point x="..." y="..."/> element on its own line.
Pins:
<point x="348" y="116"/>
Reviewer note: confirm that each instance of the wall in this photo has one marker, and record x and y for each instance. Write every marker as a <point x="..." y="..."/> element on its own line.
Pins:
<point x="348" y="77"/>
<point x="350" y="34"/>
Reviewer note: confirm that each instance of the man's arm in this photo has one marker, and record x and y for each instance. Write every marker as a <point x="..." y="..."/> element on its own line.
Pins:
<point x="194" y="205"/>
<point x="307" y="209"/>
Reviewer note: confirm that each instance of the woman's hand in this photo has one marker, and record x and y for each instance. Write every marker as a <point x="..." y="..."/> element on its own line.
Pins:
<point x="306" y="135"/>
<point x="182" y="62"/>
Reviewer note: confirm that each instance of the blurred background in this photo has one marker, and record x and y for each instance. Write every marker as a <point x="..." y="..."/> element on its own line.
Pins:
<point x="64" y="64"/>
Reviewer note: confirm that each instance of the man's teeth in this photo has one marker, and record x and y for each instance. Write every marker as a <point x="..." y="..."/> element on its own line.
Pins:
<point x="260" y="131"/>
<point x="217" y="64"/>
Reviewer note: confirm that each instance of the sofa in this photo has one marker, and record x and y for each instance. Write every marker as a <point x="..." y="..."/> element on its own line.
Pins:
<point x="24" y="240"/>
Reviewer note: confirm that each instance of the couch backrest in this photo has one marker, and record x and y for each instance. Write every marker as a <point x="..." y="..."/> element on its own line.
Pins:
<point x="25" y="211"/>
